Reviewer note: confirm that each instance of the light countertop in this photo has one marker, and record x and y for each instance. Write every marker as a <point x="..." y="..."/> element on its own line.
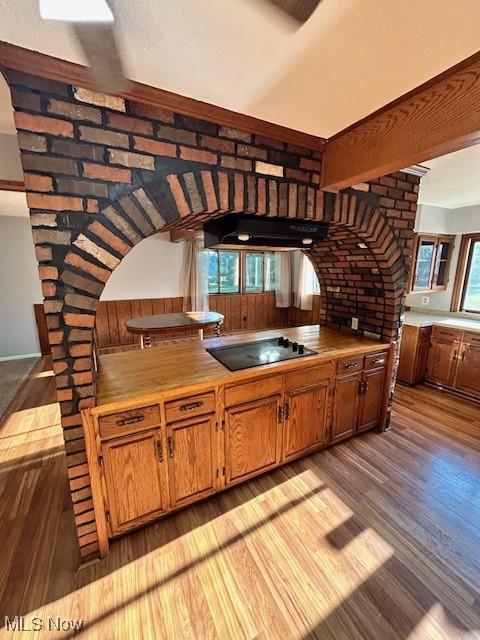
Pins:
<point x="426" y="320"/>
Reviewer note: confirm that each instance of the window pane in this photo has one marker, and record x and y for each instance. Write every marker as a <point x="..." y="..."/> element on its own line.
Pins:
<point x="212" y="266"/>
<point x="471" y="300"/>
<point x="441" y="262"/>
<point x="270" y="272"/>
<point x="424" y="264"/>
<point x="229" y="271"/>
<point x="253" y="272"/>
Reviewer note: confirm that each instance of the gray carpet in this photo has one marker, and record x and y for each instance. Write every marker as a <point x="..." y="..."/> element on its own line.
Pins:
<point x="13" y="374"/>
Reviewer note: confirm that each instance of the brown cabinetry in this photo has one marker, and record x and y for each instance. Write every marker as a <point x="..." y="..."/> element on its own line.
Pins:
<point x="134" y="476"/>
<point x="252" y="438"/>
<point x="191" y="455"/>
<point x="467" y="377"/>
<point x="148" y="461"/>
<point x="413" y="354"/>
<point x="454" y="360"/>
<point x="359" y="396"/>
<point x="306" y="419"/>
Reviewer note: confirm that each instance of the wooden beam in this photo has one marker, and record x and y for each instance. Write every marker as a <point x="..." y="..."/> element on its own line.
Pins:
<point x="12" y="185"/>
<point x="179" y="235"/>
<point x="438" y="117"/>
<point x="40" y="64"/>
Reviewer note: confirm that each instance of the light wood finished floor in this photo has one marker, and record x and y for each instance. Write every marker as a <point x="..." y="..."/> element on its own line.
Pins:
<point x="377" y="538"/>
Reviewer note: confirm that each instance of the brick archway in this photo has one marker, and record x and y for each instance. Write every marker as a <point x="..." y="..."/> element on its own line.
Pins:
<point x="361" y="250"/>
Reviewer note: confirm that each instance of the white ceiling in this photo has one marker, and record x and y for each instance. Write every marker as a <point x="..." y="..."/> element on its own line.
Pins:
<point x="350" y="58"/>
<point x="453" y="180"/>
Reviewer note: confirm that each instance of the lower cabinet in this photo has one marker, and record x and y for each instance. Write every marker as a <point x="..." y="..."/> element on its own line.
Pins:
<point x="134" y="480"/>
<point x="442" y="359"/>
<point x="306" y="419"/>
<point x="467" y="378"/>
<point x="191" y="455"/>
<point x="358" y="402"/>
<point x="370" y="408"/>
<point x="345" y="409"/>
<point x="252" y="438"/>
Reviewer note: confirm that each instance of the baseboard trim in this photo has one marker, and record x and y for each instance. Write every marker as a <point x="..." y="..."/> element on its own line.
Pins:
<point x="25" y="355"/>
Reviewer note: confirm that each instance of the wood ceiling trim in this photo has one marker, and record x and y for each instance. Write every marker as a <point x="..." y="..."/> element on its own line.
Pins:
<point x="438" y="117"/>
<point x="40" y="64"/>
<point x="12" y="185"/>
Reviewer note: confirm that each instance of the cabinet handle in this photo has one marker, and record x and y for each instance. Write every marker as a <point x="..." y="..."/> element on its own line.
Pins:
<point x="159" y="451"/>
<point x="378" y="361"/>
<point x="463" y="354"/>
<point x="170" y="446"/>
<point x="132" y="420"/>
<point x="280" y="414"/>
<point x="287" y="411"/>
<point x="190" y="405"/>
<point x="350" y="365"/>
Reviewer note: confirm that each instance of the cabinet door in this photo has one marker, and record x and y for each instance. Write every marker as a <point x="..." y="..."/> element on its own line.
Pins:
<point x="371" y="399"/>
<point x="306" y="414"/>
<point x="442" y="358"/>
<point x="468" y="376"/>
<point x="191" y="459"/>
<point x="134" y="479"/>
<point x="422" y="354"/>
<point x="252" y="438"/>
<point x="345" y="409"/>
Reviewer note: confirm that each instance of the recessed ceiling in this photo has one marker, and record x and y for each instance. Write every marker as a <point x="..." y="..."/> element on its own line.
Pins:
<point x="349" y="59"/>
<point x="453" y="180"/>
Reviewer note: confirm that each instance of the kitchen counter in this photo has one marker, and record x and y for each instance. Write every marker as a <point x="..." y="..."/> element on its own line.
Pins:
<point x="416" y="319"/>
<point x="185" y="364"/>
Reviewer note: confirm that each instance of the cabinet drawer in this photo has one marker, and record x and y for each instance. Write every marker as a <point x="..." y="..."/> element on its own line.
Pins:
<point x="445" y="333"/>
<point x="471" y="337"/>
<point x="119" y="424"/>
<point x="346" y="365"/>
<point x="190" y="407"/>
<point x="309" y="376"/>
<point x="260" y="388"/>
<point x="376" y="360"/>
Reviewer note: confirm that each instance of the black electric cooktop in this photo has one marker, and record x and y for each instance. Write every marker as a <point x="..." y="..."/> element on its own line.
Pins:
<point x="254" y="354"/>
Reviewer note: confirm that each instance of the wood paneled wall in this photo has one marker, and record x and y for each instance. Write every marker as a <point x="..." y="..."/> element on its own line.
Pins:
<point x="243" y="312"/>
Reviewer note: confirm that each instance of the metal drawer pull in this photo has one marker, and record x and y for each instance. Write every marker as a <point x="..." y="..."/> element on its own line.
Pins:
<point x="159" y="451"/>
<point x="132" y="420"/>
<point x="350" y="365"/>
<point x="378" y="361"/>
<point x="170" y="446"/>
<point x="191" y="405"/>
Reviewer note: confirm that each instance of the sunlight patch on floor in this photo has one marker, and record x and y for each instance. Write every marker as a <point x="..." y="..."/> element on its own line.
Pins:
<point x="436" y="625"/>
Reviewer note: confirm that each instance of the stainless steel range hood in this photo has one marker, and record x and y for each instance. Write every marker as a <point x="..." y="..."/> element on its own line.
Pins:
<point x="238" y="230"/>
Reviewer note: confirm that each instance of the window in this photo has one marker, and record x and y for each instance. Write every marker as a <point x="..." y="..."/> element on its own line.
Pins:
<point x="431" y="262"/>
<point x="466" y="294"/>
<point x="258" y="269"/>
<point x="223" y="271"/>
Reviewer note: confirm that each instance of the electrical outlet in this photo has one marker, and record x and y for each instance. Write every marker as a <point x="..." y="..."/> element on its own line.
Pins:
<point x="426" y="300"/>
<point x="354" y="323"/>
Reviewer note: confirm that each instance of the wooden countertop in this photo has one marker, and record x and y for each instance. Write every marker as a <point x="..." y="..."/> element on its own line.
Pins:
<point x="181" y="366"/>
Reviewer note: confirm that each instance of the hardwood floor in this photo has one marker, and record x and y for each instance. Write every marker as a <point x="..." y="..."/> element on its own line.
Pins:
<point x="376" y="538"/>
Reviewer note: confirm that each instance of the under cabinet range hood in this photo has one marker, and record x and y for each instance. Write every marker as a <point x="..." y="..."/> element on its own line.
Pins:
<point x="239" y="230"/>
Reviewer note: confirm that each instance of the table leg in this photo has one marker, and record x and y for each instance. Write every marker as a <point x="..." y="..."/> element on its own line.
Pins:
<point x="200" y="334"/>
<point x="217" y="329"/>
<point x="147" y="341"/>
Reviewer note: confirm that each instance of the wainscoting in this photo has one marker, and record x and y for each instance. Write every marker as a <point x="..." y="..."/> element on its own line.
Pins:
<point x="243" y="312"/>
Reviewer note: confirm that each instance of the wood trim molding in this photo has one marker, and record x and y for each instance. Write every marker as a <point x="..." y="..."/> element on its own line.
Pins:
<point x="438" y="117"/>
<point x="45" y="66"/>
<point x="461" y="270"/>
<point x="12" y="185"/>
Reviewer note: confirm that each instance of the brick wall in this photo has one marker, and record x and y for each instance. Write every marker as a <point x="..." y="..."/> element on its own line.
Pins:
<point x="102" y="173"/>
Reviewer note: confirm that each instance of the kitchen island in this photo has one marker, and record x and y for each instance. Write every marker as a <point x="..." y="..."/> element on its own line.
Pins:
<point x="172" y="425"/>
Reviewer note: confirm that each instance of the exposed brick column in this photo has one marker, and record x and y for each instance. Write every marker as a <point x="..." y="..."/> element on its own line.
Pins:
<point x="103" y="173"/>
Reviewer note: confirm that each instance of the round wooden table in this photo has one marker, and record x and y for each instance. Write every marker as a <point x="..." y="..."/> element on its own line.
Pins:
<point x="146" y="326"/>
